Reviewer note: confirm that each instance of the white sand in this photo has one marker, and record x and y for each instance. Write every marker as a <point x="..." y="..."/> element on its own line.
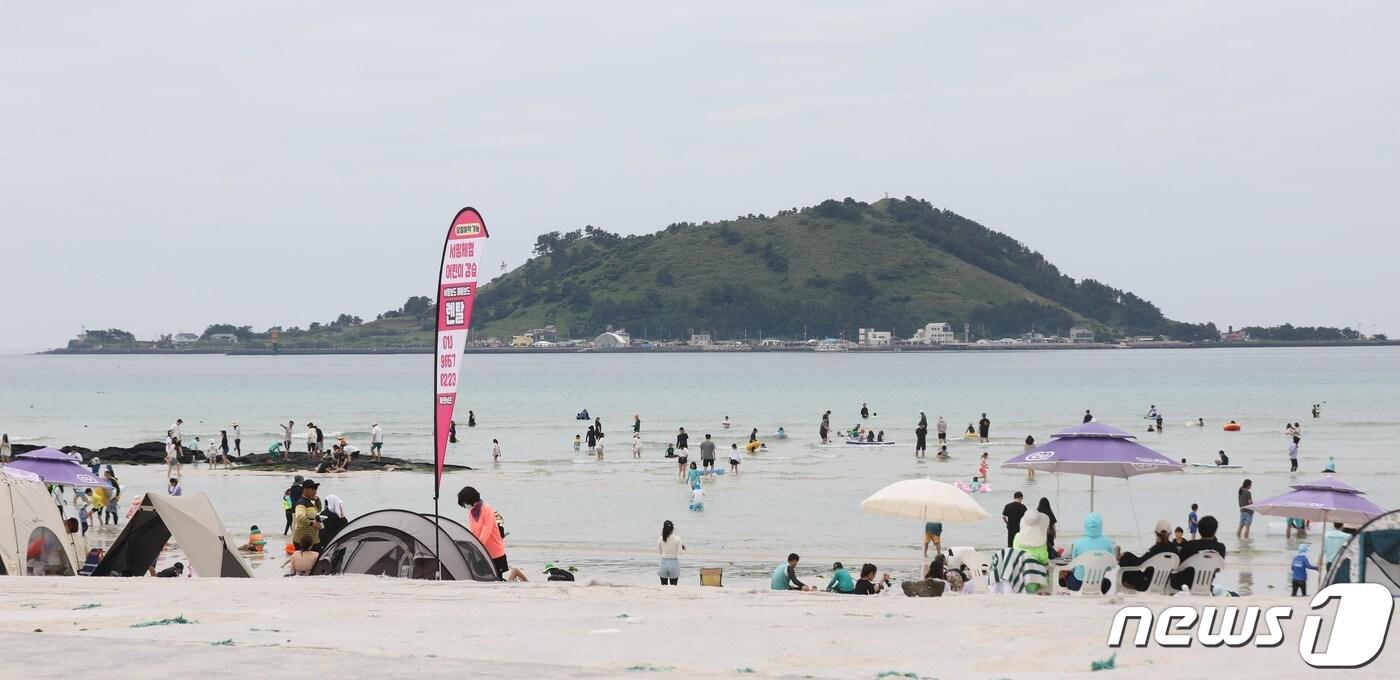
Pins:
<point x="349" y="627"/>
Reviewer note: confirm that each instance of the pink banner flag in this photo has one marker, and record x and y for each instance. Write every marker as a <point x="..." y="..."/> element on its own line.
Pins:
<point x="461" y="254"/>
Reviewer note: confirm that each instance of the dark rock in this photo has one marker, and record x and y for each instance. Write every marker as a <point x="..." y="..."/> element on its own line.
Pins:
<point x="153" y="453"/>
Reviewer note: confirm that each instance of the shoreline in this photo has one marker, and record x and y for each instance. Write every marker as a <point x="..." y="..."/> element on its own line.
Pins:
<point x="1027" y="347"/>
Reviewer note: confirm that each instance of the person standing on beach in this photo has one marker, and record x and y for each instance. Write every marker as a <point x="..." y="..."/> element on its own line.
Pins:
<point x="984" y="429"/>
<point x="287" y="440"/>
<point x="598" y="443"/>
<point x="826" y="427"/>
<point x="289" y="502"/>
<point x="306" y="518"/>
<point x="942" y="430"/>
<point x="864" y="410"/>
<point x="4" y="448"/>
<point x="734" y="458"/>
<point x="1030" y="444"/>
<point x="237" y="440"/>
<point x="670" y="548"/>
<point x="376" y="441"/>
<point x="495" y="450"/>
<point x="451" y="432"/>
<point x="310" y="440"/>
<point x="223" y="446"/>
<point x="1011" y="515"/>
<point x="636" y="445"/>
<point x="682" y="450"/>
<point x="320" y="439"/>
<point x="707" y="454"/>
<point x="481" y="520"/>
<point x="1246" y="497"/>
<point x="637" y="423"/>
<point x="175" y="436"/>
<point x="921" y="437"/>
<point x="1293" y="456"/>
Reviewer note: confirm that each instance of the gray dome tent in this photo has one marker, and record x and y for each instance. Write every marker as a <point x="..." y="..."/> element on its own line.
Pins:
<point x="400" y="544"/>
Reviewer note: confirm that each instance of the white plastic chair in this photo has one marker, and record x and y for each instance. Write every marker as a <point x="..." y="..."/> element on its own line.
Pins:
<point x="1097" y="565"/>
<point x="1204" y="565"/>
<point x="977" y="565"/>
<point x="1162" y="566"/>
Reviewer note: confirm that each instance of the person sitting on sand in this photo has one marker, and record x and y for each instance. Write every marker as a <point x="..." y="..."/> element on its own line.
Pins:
<point x="841" y="581"/>
<point x="785" y="576"/>
<point x="303" y="560"/>
<point x="256" y="542"/>
<point x="178" y="569"/>
<point x="867" y="584"/>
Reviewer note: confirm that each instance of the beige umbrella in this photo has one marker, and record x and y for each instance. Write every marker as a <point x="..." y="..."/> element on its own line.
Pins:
<point x="925" y="500"/>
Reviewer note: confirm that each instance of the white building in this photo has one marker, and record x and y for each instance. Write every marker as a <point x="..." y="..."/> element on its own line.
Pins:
<point x="612" y="339"/>
<point x="185" y="338"/>
<point x="1081" y="335"/>
<point x="869" y="337"/>
<point x="937" y="333"/>
<point x="223" y="337"/>
<point x="700" y="339"/>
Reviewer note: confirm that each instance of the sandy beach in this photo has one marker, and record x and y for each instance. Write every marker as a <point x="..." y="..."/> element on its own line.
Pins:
<point x="373" y="627"/>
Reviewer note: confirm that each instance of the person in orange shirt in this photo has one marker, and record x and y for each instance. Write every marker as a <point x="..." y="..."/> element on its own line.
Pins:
<point x="485" y="525"/>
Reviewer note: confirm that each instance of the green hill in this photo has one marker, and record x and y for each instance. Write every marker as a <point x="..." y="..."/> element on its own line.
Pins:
<point x="895" y="264"/>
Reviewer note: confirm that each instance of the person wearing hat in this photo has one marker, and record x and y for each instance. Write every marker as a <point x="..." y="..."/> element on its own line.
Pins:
<point x="1299" y="571"/>
<point x="1140" y="580"/>
<point x="1033" y="539"/>
<point x="557" y="574"/>
<point x="483" y="523"/>
<point x="841" y="581"/>
<point x="306" y="520"/>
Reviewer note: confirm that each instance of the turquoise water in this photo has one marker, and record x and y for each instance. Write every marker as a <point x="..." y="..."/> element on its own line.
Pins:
<point x="797" y="496"/>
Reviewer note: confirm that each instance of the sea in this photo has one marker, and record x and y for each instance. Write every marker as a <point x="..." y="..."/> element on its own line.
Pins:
<point x="796" y="495"/>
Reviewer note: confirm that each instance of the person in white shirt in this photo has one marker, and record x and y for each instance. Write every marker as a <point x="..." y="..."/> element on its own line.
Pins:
<point x="495" y="451"/>
<point x="636" y="446"/>
<point x="175" y="433"/>
<point x="172" y="457"/>
<point x="287" y="439"/>
<point x="310" y="440"/>
<point x="670" y="548"/>
<point x="942" y="430"/>
<point x="376" y="441"/>
<point x="237" y="441"/>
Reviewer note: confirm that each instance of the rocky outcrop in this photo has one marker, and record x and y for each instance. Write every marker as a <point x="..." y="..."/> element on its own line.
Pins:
<point x="153" y="453"/>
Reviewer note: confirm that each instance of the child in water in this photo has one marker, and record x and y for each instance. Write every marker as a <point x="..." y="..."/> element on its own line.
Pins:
<point x="984" y="467"/>
<point x="734" y="458"/>
<point x="697" y="498"/>
<point x="578" y="443"/>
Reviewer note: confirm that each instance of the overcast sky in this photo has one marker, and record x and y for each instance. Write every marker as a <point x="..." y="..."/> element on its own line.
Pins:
<point x="164" y="166"/>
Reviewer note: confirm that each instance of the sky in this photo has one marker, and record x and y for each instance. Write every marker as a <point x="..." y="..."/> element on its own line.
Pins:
<point x="166" y="166"/>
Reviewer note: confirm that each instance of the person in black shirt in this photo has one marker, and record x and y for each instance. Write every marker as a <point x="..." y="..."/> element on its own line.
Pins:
<point x="1208" y="526"/>
<point x="1088" y="417"/>
<point x="984" y="429"/>
<point x="866" y="585"/>
<point x="1011" y="515"/>
<point x="864" y="411"/>
<point x="1140" y="580"/>
<point x="292" y="495"/>
<point x="172" y="572"/>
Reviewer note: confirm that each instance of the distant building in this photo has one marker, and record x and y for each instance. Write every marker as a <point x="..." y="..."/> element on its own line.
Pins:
<point x="869" y="337"/>
<point x="184" y="338"/>
<point x="618" y="338"/>
<point x="700" y="339"/>
<point x="547" y="334"/>
<point x="937" y="333"/>
<point x="1081" y="335"/>
<point x="543" y="343"/>
<point x="1233" y="335"/>
<point x="223" y="337"/>
<point x="522" y="341"/>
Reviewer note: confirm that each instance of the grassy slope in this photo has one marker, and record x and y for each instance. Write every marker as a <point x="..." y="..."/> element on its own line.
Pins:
<point x="913" y="282"/>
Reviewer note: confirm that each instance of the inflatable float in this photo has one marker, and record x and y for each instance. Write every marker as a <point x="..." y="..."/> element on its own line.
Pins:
<point x="1232" y="426"/>
<point x="967" y="488"/>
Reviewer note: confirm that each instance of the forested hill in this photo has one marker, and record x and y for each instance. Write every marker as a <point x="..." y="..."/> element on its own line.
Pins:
<point x="831" y="268"/>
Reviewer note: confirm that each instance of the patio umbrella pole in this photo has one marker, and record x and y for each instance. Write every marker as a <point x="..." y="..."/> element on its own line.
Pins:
<point x="1322" y="563"/>
<point x="1091" y="491"/>
<point x="1137" y="526"/>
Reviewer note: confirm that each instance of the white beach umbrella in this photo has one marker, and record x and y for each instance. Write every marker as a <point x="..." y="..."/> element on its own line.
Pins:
<point x="925" y="500"/>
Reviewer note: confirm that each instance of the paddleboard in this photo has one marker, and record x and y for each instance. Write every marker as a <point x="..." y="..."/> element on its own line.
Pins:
<point x="884" y="443"/>
<point x="1216" y="467"/>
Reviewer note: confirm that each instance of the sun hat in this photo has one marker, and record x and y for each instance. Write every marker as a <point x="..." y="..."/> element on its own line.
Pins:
<point x="1034" y="527"/>
<point x="1162" y="527"/>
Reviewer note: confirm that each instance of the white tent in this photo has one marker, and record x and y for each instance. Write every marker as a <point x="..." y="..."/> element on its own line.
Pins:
<point x="29" y="518"/>
<point x="194" y="525"/>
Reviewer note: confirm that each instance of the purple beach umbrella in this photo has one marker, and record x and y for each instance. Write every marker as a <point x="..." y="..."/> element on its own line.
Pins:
<point x="1323" y="501"/>
<point x="56" y="467"/>
<point x="1096" y="450"/>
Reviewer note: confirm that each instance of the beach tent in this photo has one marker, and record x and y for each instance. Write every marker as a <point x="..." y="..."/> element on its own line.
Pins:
<point x="400" y="543"/>
<point x="33" y="540"/>
<point x="191" y="520"/>
<point x="1372" y="555"/>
